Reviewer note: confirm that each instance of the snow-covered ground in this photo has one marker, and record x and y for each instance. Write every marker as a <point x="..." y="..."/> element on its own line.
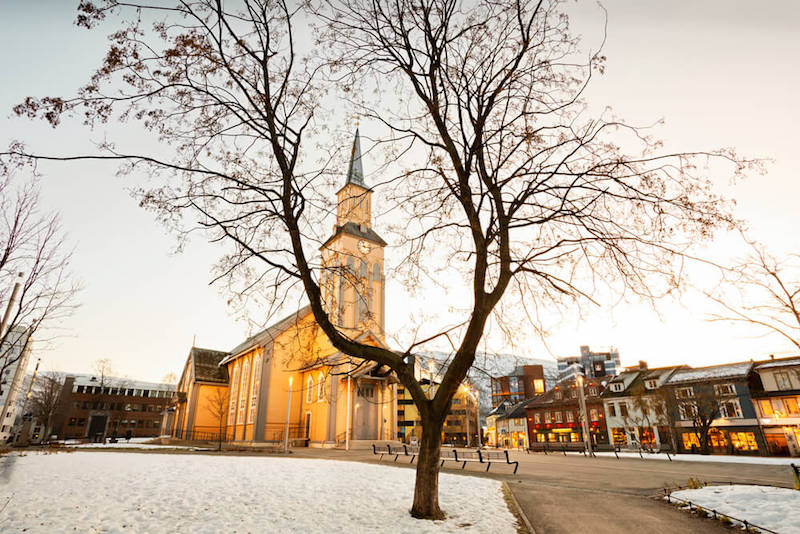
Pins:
<point x="777" y="509"/>
<point x="84" y="491"/>
<point x="134" y="443"/>
<point x="704" y="458"/>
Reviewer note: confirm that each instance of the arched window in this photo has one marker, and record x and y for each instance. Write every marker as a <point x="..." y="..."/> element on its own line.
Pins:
<point x="364" y="269"/>
<point x="351" y="265"/>
<point x="234" y="386"/>
<point x="309" y="390"/>
<point x="254" y="387"/>
<point x="243" y="392"/>
<point x="321" y="387"/>
<point x="376" y="272"/>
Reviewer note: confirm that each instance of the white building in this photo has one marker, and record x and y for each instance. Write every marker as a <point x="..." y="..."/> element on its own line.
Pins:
<point x="636" y="413"/>
<point x="589" y="363"/>
<point x="14" y="356"/>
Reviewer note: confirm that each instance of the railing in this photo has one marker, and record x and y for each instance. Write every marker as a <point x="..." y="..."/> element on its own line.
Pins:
<point x="278" y="430"/>
<point x="748" y="526"/>
<point x="203" y="435"/>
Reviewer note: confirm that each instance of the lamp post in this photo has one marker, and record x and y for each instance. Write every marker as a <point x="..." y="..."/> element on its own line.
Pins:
<point x="288" y="412"/>
<point x="347" y="421"/>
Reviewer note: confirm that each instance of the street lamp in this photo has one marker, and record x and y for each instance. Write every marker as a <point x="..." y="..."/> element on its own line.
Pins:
<point x="586" y="438"/>
<point x="288" y="414"/>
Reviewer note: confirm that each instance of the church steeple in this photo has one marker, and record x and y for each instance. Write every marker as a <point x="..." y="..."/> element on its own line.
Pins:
<point x="352" y="258"/>
<point x="355" y="172"/>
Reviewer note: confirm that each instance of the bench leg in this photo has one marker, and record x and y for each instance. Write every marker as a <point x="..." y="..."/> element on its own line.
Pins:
<point x="488" y="466"/>
<point x="381" y="458"/>
<point x="516" y="465"/>
<point x="463" y="465"/>
<point x="442" y="464"/>
<point x="412" y="460"/>
<point x="396" y="456"/>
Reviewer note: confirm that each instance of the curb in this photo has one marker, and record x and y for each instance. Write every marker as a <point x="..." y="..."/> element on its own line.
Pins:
<point x="518" y="509"/>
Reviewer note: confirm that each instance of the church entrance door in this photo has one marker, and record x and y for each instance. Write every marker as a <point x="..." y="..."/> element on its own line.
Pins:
<point x="366" y="416"/>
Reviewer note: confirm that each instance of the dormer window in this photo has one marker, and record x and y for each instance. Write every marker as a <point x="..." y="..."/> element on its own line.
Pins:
<point x="651" y="384"/>
<point x="616" y="387"/>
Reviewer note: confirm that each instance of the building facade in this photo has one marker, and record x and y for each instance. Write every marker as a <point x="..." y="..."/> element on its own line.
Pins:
<point x="776" y="395"/>
<point x="556" y="416"/>
<point x="524" y="382"/>
<point x="199" y="410"/>
<point x="722" y="392"/>
<point x="291" y="367"/>
<point x="589" y="364"/>
<point x="512" y="427"/>
<point x="15" y="355"/>
<point x="637" y="414"/>
<point x="95" y="408"/>
<point x="461" y="427"/>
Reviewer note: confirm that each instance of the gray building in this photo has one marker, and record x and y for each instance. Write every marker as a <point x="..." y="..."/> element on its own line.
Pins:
<point x="590" y="364"/>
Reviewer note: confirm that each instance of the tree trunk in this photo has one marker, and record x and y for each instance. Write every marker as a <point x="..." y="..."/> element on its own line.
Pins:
<point x="426" y="488"/>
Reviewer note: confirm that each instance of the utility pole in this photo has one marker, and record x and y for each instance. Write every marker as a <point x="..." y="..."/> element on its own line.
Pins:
<point x="587" y="440"/>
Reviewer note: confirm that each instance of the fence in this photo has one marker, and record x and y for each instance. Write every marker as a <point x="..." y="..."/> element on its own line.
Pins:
<point x="748" y="527"/>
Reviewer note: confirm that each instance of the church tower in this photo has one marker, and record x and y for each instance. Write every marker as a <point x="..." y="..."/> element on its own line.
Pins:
<point x="352" y="277"/>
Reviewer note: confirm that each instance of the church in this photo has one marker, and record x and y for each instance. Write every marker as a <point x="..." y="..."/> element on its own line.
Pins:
<point x="290" y="369"/>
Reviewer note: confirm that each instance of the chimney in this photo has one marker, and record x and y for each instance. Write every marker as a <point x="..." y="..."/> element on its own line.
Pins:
<point x="771" y="356"/>
<point x="642" y="365"/>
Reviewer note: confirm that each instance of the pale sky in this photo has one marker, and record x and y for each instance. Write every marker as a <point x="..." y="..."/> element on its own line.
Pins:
<point x="721" y="73"/>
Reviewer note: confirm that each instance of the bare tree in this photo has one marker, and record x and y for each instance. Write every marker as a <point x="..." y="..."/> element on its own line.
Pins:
<point x="170" y="378"/>
<point x="504" y="178"/>
<point x="217" y="406"/>
<point x="701" y="408"/>
<point x="35" y="256"/>
<point x="43" y="402"/>
<point x="762" y="290"/>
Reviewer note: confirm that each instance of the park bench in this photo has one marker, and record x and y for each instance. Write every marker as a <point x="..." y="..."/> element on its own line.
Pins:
<point x="563" y="447"/>
<point x="388" y="450"/>
<point x="478" y="456"/>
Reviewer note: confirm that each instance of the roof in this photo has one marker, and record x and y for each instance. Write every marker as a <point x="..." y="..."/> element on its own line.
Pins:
<point x="268" y="334"/>
<point x="115" y="381"/>
<point x="206" y="367"/>
<point x="517" y="411"/>
<point x="355" y="171"/>
<point x="358" y="231"/>
<point x="783" y="362"/>
<point x="713" y="372"/>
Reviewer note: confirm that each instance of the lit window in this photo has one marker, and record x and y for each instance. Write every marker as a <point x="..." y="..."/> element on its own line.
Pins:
<point x="254" y="387"/>
<point x="766" y="408"/>
<point x="536" y="418"/>
<point x="538" y="385"/>
<point x="309" y="390"/>
<point x="593" y="415"/>
<point x="570" y="417"/>
<point x="558" y="417"/>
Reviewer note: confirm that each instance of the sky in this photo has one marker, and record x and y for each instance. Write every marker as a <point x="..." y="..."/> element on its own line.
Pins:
<point x="720" y="74"/>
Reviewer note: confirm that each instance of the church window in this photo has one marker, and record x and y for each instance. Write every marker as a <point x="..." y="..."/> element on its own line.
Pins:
<point x="256" y="383"/>
<point x="309" y="390"/>
<point x="376" y="272"/>
<point x="364" y="269"/>
<point x="243" y="394"/>
<point x="234" y="388"/>
<point x="321" y="387"/>
<point x="351" y="265"/>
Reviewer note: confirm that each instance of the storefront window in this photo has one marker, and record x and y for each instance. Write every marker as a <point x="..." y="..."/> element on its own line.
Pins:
<point x="574" y="436"/>
<point x="618" y="435"/>
<point x="689" y="439"/>
<point x="743" y="441"/>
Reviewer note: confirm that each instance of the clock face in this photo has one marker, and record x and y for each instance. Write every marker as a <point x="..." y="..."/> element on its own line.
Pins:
<point x="364" y="247"/>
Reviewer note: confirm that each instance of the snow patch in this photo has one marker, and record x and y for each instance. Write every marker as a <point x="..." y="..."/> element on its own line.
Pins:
<point x="153" y="493"/>
<point x="777" y="509"/>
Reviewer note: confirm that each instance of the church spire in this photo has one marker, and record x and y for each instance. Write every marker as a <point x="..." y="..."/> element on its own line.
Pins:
<point x="355" y="172"/>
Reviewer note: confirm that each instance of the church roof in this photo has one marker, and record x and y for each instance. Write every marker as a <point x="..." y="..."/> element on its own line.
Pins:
<point x="206" y="365"/>
<point x="268" y="334"/>
<point x="356" y="230"/>
<point x="355" y="171"/>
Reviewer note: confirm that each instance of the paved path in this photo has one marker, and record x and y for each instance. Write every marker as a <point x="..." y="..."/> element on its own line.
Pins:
<point x="569" y="494"/>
